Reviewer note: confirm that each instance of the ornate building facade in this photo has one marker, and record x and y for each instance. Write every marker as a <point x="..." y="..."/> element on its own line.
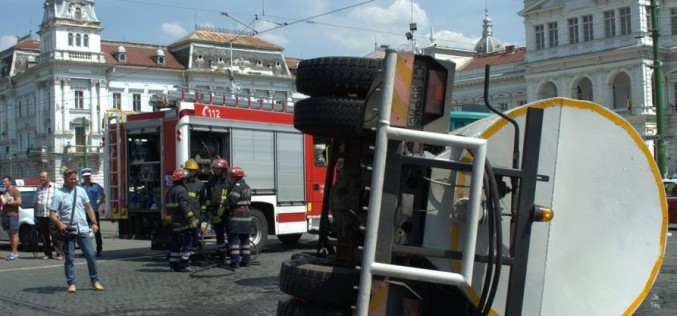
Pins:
<point x="57" y="91"/>
<point x="600" y="51"/>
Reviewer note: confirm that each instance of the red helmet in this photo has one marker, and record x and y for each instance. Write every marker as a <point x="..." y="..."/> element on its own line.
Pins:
<point x="179" y="174"/>
<point x="236" y="172"/>
<point x="220" y="163"/>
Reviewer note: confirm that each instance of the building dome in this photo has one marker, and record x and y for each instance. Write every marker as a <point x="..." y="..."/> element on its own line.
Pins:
<point x="488" y="43"/>
<point x="121" y="49"/>
<point x="159" y="52"/>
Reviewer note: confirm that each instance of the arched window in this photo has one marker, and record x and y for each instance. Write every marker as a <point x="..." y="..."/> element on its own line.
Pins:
<point x="78" y="40"/>
<point x="85" y="40"/>
<point x="70" y="39"/>
<point x="78" y="13"/>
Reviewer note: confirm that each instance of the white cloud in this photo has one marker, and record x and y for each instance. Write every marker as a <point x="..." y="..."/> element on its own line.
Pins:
<point x="173" y="29"/>
<point x="7" y="41"/>
<point x="455" y="39"/>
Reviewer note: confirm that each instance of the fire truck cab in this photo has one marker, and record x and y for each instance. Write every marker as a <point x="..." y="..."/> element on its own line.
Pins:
<point x="284" y="167"/>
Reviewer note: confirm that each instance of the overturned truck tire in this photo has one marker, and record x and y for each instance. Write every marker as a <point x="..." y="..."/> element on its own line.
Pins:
<point x="329" y="117"/>
<point x="336" y="76"/>
<point x="316" y="280"/>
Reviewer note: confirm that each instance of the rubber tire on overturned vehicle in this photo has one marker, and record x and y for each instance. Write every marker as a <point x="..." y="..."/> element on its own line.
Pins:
<point x="336" y="76"/>
<point x="329" y="116"/>
<point x="317" y="280"/>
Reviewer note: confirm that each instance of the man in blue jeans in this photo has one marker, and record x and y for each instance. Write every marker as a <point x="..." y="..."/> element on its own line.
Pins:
<point x="71" y="207"/>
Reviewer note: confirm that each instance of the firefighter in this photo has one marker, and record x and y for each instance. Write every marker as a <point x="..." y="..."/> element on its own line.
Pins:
<point x="239" y="221"/>
<point x="195" y="189"/>
<point x="217" y="193"/>
<point x="183" y="222"/>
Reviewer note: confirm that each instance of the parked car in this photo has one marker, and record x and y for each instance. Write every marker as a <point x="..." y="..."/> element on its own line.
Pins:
<point x="670" y="186"/>
<point x="27" y="231"/>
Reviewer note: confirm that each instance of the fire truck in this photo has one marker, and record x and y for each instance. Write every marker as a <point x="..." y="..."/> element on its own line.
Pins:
<point x="285" y="168"/>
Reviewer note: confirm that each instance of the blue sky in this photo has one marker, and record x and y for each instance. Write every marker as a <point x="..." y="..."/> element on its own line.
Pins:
<point x="313" y="28"/>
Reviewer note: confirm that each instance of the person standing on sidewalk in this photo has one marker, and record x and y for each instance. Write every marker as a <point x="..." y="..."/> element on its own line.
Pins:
<point x="11" y="201"/>
<point x="97" y="197"/>
<point x="71" y="206"/>
<point x="42" y="201"/>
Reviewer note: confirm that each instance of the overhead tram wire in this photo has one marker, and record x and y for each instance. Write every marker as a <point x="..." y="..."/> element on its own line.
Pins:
<point x="316" y="16"/>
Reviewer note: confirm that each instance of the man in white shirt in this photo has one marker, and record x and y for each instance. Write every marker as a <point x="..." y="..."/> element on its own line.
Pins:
<point x="42" y="201"/>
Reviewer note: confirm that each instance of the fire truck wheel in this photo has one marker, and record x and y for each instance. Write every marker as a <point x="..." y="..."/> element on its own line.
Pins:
<point x="336" y="76"/>
<point x="329" y="117"/>
<point x="312" y="278"/>
<point x="289" y="238"/>
<point x="293" y="307"/>
<point x="259" y="230"/>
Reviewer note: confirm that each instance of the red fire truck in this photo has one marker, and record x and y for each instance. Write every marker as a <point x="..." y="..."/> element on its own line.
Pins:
<point x="285" y="168"/>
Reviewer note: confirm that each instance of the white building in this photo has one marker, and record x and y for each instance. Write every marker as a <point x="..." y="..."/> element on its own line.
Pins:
<point x="600" y="51"/>
<point x="56" y="92"/>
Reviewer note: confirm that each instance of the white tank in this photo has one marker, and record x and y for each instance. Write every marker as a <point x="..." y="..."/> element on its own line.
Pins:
<point x="602" y="251"/>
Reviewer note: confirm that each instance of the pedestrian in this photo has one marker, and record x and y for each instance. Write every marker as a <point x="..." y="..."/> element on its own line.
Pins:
<point x="183" y="222"/>
<point x="217" y="193"/>
<point x="196" y="193"/>
<point x="42" y="202"/>
<point x="97" y="197"/>
<point x="70" y="211"/>
<point x="11" y="200"/>
<point x="240" y="220"/>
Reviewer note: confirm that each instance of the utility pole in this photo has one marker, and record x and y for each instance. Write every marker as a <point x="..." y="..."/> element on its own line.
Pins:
<point x="661" y="153"/>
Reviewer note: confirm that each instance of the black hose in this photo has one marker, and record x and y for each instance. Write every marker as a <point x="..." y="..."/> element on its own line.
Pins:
<point x="490" y="254"/>
<point x="499" y="237"/>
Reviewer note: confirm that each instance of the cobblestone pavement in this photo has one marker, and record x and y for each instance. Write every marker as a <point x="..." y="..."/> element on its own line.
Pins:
<point x="139" y="284"/>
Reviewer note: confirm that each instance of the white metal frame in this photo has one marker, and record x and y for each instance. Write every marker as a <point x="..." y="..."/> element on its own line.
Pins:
<point x="384" y="133"/>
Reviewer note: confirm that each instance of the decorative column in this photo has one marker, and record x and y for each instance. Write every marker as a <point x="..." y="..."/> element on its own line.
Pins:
<point x="100" y="108"/>
<point x="92" y="106"/>
<point x="58" y="103"/>
<point x="65" y="93"/>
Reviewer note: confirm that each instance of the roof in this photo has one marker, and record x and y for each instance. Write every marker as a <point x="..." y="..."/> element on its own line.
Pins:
<point x="500" y="58"/>
<point x="226" y="38"/>
<point x="139" y="55"/>
<point x="28" y="44"/>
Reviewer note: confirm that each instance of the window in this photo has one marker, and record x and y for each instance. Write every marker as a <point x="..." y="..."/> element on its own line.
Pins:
<point x="609" y="24"/>
<point x="78" y="40"/>
<point x="587" y="28"/>
<point x="625" y="21"/>
<point x="136" y="101"/>
<point x="117" y="100"/>
<point x="85" y="40"/>
<point x="540" y="37"/>
<point x="552" y="35"/>
<point x="573" y="30"/>
<point x="673" y="21"/>
<point x="79" y="138"/>
<point x="78" y="13"/>
<point x="79" y="99"/>
<point x="70" y="39"/>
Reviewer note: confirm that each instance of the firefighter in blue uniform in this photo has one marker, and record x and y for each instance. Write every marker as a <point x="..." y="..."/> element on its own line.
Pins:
<point x="195" y="189"/>
<point x="217" y="192"/>
<point x="183" y="222"/>
<point x="239" y="219"/>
